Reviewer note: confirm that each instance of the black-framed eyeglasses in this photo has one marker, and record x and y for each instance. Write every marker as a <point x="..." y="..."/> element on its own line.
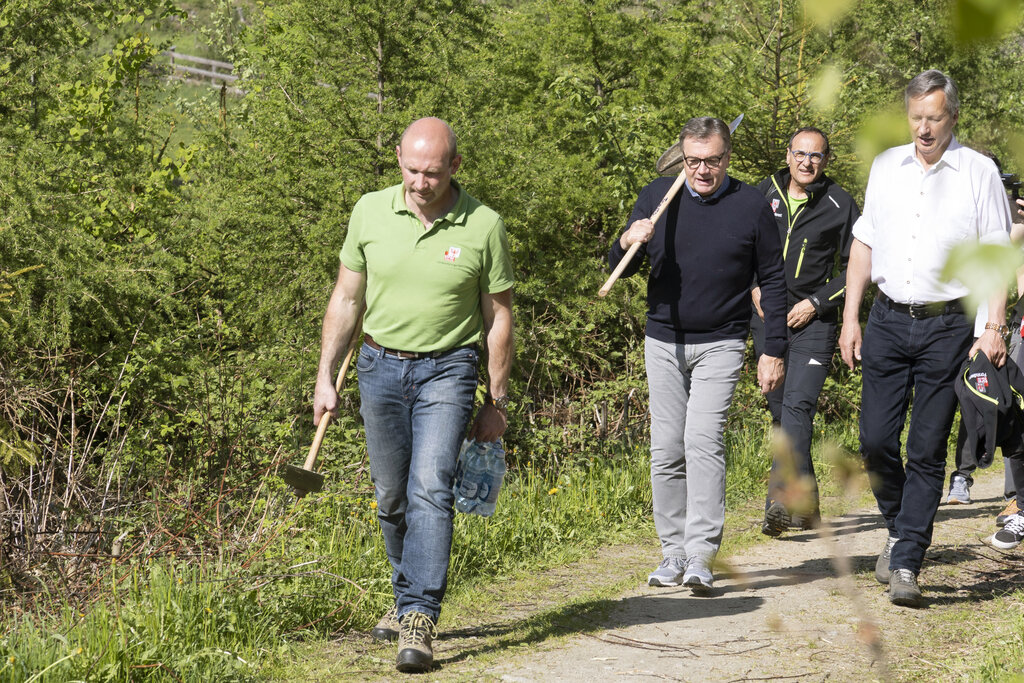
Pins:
<point x="813" y="157"/>
<point x="693" y="163"/>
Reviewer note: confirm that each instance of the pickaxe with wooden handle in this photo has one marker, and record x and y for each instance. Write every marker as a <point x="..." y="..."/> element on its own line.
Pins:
<point x="305" y="479"/>
<point x="669" y="196"/>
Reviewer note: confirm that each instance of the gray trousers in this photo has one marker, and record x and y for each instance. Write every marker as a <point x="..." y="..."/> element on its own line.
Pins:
<point x="691" y="387"/>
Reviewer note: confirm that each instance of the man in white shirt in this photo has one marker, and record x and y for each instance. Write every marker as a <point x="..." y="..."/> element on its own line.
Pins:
<point x="921" y="200"/>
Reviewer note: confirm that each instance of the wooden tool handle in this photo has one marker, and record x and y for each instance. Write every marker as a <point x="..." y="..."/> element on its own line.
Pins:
<point x="325" y="419"/>
<point x="635" y="247"/>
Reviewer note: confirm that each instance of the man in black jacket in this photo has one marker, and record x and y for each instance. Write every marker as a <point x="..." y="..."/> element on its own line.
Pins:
<point x="815" y="217"/>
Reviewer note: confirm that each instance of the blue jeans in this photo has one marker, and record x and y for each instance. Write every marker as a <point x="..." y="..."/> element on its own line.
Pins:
<point x="901" y="357"/>
<point x="415" y="413"/>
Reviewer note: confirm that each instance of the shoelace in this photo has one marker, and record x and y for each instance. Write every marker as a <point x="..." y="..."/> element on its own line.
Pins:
<point x="419" y="627"/>
<point x="674" y="562"/>
<point x="904" y="575"/>
<point x="1015" y="525"/>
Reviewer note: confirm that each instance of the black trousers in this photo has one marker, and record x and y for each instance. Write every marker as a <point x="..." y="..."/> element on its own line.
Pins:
<point x="1012" y="473"/>
<point x="794" y="404"/>
<point x="904" y="357"/>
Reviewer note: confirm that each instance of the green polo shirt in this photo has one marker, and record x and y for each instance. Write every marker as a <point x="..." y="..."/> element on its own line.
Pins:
<point x="423" y="285"/>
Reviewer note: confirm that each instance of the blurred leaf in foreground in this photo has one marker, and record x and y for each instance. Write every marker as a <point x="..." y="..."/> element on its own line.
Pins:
<point x="826" y="12"/>
<point x="885" y="129"/>
<point x="981" y="20"/>
<point x="825" y="88"/>
<point x="983" y="268"/>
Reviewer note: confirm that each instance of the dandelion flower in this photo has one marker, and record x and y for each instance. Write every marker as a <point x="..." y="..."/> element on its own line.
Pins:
<point x="373" y="505"/>
<point x="10" y="660"/>
<point x="553" y="490"/>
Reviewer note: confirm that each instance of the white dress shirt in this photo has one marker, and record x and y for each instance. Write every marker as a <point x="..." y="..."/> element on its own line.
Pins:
<point x="913" y="217"/>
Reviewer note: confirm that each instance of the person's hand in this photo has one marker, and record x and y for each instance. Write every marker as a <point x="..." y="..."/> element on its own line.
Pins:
<point x="850" y="342"/>
<point x="490" y="423"/>
<point x="992" y="345"/>
<point x="1020" y="204"/>
<point x="640" y="231"/>
<point x="755" y="296"/>
<point x="770" y="372"/>
<point x="325" y="400"/>
<point x="801" y="314"/>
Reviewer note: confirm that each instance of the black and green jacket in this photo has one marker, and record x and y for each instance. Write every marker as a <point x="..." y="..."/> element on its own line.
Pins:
<point x="816" y="240"/>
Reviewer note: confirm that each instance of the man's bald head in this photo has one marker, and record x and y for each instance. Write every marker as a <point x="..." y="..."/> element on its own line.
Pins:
<point x="427" y="131"/>
<point x="428" y="159"/>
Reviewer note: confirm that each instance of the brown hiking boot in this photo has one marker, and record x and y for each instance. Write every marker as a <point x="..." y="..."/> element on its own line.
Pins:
<point x="387" y="628"/>
<point x="415" y="654"/>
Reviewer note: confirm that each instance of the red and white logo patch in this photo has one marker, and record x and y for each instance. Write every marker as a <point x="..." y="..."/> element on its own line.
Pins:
<point x="451" y="254"/>
<point x="980" y="381"/>
<point x="775" y="204"/>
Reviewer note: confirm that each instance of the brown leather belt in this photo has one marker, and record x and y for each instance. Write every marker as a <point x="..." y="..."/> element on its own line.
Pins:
<point x="919" y="311"/>
<point x="404" y="355"/>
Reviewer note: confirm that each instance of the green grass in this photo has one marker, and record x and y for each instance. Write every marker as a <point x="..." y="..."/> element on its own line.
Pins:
<point x="1002" y="658"/>
<point x="317" y="568"/>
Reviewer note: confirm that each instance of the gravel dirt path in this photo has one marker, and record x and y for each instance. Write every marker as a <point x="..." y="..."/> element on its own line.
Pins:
<point x="782" y="611"/>
<point x="805" y="607"/>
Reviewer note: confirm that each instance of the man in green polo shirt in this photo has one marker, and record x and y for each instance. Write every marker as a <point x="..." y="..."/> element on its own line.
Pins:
<point x="431" y="264"/>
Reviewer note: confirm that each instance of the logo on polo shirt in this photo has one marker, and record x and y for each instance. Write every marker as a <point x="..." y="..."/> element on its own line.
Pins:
<point x="451" y="254"/>
<point x="980" y="381"/>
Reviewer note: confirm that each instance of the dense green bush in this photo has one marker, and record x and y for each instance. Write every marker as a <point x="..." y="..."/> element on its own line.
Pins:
<point x="166" y="256"/>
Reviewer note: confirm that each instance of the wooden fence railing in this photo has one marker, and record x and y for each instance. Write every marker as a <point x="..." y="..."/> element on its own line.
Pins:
<point x="219" y="73"/>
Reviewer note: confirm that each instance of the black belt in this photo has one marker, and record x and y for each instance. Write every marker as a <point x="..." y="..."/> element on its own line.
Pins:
<point x="918" y="311"/>
<point x="406" y="355"/>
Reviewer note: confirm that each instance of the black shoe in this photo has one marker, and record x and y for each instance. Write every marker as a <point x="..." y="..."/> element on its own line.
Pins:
<point x="882" y="564"/>
<point x="387" y="628"/>
<point x="903" y="589"/>
<point x="805" y="522"/>
<point x="1011" y="534"/>
<point x="415" y="654"/>
<point x="776" y="520"/>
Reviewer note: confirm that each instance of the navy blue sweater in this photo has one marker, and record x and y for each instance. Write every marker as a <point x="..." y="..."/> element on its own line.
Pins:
<point x="704" y="256"/>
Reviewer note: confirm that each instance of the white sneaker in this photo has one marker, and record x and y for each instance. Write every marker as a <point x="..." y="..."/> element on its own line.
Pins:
<point x="698" y="574"/>
<point x="959" y="491"/>
<point x="668" y="573"/>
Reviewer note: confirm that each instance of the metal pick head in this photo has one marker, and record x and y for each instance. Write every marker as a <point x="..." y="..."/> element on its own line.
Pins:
<point x="735" y="124"/>
<point x="302" y="480"/>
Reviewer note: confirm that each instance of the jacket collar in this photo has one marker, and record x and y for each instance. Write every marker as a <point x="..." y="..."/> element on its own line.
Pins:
<point x="783" y="176"/>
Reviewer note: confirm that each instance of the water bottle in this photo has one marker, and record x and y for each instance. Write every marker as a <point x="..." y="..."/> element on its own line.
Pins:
<point x="494" y="457"/>
<point x="469" y="471"/>
<point x="479" y="473"/>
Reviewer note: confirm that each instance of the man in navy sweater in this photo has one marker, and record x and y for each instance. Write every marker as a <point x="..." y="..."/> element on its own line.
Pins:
<point x="704" y="252"/>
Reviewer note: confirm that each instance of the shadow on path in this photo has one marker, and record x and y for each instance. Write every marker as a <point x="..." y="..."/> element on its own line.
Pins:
<point x="672" y="605"/>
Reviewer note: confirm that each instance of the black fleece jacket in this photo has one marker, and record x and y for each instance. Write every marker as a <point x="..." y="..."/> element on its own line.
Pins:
<point x="816" y="240"/>
<point x="704" y="255"/>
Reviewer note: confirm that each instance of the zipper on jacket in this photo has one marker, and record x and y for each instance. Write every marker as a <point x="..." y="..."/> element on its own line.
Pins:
<point x="800" y="260"/>
<point x="790" y="220"/>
